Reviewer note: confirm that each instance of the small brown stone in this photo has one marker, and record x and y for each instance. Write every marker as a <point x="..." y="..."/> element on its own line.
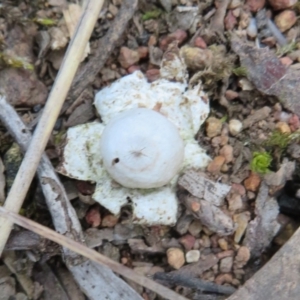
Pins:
<point x="187" y="241"/>
<point x="230" y="20"/>
<point x="224" y="278"/>
<point x="227" y="152"/>
<point x="255" y="5"/>
<point x="128" y="57"/>
<point x="224" y="254"/>
<point x="282" y="4"/>
<point x="132" y="69"/>
<point x="175" y="258"/>
<point x="216" y="164"/>
<point x="285" y="20"/>
<point x="152" y="41"/>
<point x="243" y="255"/>
<point x="143" y="52"/>
<point x="213" y="127"/>
<point x="283" y="127"/>
<point x="252" y="182"/>
<point x="109" y="221"/>
<point x="223" y="244"/>
<point x="286" y="61"/>
<point x="200" y="43"/>
<point x="231" y="95"/>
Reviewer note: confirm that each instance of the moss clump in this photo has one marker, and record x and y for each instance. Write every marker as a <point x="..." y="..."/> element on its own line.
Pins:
<point x="45" y="21"/>
<point x="281" y="140"/>
<point x="15" y="62"/>
<point x="286" y="49"/>
<point x="152" y="14"/>
<point x="260" y="162"/>
<point x="240" y="71"/>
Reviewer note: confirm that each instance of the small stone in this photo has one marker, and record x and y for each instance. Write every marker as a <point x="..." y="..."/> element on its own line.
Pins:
<point x="242" y="220"/>
<point x="224" y="278"/>
<point x="143" y="52"/>
<point x="179" y="35"/>
<point x="216" y="164"/>
<point x="286" y="61"/>
<point x="238" y="188"/>
<point x="294" y="122"/>
<point x="205" y="241"/>
<point x="224" y="254"/>
<point x="133" y="68"/>
<point x="252" y="28"/>
<point x="235" y="127"/>
<point x="227" y="152"/>
<point x="251" y="195"/>
<point x="255" y="5"/>
<point x="192" y="256"/>
<point x="152" y="74"/>
<point x="285" y="20"/>
<point x="225" y="168"/>
<point x="175" y="258"/>
<point x="213" y="127"/>
<point x="252" y="182"/>
<point x="152" y="40"/>
<point x="243" y="255"/>
<point x="128" y="57"/>
<point x="283" y="127"/>
<point x="282" y="4"/>
<point x="235" y="201"/>
<point x="230" y="20"/>
<point x="219" y="140"/>
<point x="231" y="95"/>
<point x="200" y="43"/>
<point x="109" y="221"/>
<point x="93" y="217"/>
<point x="195" y="228"/>
<point x="187" y="241"/>
<point x="234" y="4"/>
<point x="226" y="264"/>
<point x="223" y="244"/>
<point x="113" y="9"/>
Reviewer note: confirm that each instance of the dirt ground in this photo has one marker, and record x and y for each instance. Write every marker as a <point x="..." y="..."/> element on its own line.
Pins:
<point x="245" y="56"/>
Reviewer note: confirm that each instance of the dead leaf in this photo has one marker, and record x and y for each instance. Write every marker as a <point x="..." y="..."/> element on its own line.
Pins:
<point x="268" y="74"/>
<point x="72" y="15"/>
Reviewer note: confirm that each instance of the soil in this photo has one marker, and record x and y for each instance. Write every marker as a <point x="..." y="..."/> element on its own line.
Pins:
<point x="249" y="71"/>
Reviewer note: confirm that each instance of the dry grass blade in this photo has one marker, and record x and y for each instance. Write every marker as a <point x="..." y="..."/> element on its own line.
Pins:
<point x="90" y="254"/>
<point x="52" y="109"/>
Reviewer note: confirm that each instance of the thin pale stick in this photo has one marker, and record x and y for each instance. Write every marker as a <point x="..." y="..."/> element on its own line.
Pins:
<point x="90" y="254"/>
<point x="52" y="109"/>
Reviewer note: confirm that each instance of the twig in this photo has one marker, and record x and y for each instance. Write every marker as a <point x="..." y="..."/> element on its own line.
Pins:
<point x="102" y="281"/>
<point x="217" y="21"/>
<point x="52" y="109"/>
<point x="90" y="253"/>
<point x="87" y="73"/>
<point x="194" y="283"/>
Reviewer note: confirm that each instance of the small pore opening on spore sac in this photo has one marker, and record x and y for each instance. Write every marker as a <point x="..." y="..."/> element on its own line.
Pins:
<point x="115" y="161"/>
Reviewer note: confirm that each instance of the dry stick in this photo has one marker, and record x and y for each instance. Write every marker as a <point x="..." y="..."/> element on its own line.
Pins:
<point x="102" y="281"/>
<point x="52" y="109"/>
<point x="90" y="253"/>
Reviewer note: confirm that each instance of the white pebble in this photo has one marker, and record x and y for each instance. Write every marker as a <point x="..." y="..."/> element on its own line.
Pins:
<point x="192" y="256"/>
<point x="235" y="127"/>
<point x="252" y="28"/>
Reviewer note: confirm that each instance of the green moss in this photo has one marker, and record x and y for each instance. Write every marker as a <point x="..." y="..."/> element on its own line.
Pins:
<point x="153" y="14"/>
<point x="45" y="21"/>
<point x="278" y="139"/>
<point x="260" y="162"/>
<point x="286" y="49"/>
<point x="240" y="71"/>
<point x="15" y="62"/>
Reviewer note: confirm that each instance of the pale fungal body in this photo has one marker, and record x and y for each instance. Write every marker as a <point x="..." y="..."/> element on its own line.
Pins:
<point x="141" y="149"/>
<point x="140" y="157"/>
